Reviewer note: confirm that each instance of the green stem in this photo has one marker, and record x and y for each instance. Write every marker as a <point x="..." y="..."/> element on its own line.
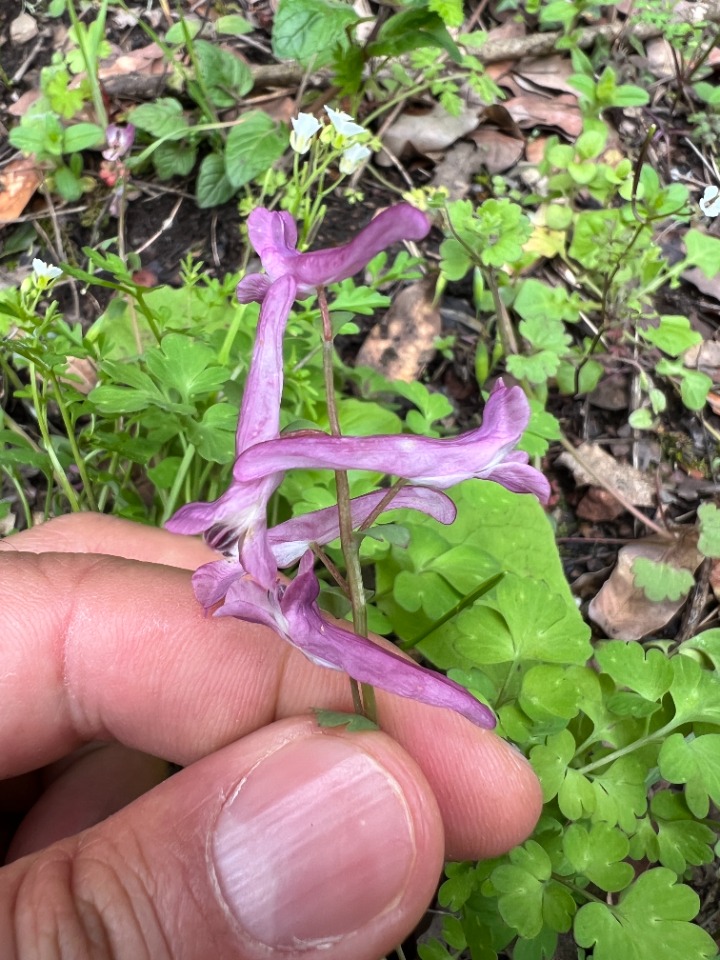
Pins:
<point x="347" y="539"/>
<point x="70" y="432"/>
<point x="21" y="495"/>
<point x="630" y="748"/>
<point x="469" y="598"/>
<point x="41" y="413"/>
<point x="169" y="508"/>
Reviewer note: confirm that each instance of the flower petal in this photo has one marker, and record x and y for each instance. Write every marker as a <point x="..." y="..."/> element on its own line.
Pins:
<point x="290" y="540"/>
<point x="423" y="460"/>
<point x="364" y="660"/>
<point x="260" y="410"/>
<point x="252" y="288"/>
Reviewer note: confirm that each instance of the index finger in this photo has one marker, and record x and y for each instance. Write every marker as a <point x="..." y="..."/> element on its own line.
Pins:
<point x="100" y="647"/>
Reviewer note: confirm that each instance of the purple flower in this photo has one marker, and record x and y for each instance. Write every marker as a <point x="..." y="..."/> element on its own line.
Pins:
<point x="289" y="540"/>
<point x="486" y="453"/>
<point x="292" y="611"/>
<point x="119" y="141"/>
<point x="274" y="237"/>
<point x="239" y="515"/>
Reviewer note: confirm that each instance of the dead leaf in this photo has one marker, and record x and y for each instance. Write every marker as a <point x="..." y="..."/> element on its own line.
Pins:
<point x="23" y="29"/>
<point x="404" y="341"/>
<point x="548" y="72"/>
<point x="659" y="60"/>
<point x="532" y="110"/>
<point x="599" y="505"/>
<point x="623" y="477"/>
<point x="427" y="132"/>
<point x="20" y="107"/>
<point x="497" y="151"/>
<point x="709" y="286"/>
<point x="457" y="168"/>
<point x="18" y="182"/>
<point x="621" y="609"/>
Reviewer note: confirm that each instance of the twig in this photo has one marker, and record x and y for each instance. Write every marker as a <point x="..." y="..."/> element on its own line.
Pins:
<point x="597" y="479"/>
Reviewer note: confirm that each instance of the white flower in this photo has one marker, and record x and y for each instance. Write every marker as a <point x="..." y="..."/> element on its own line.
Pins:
<point x="45" y="271"/>
<point x="710" y="202"/>
<point x="305" y="126"/>
<point x="344" y="123"/>
<point x="353" y="157"/>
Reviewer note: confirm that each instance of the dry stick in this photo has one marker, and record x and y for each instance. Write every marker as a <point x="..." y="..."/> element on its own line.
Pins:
<point x="364" y="705"/>
<point x="631" y="508"/>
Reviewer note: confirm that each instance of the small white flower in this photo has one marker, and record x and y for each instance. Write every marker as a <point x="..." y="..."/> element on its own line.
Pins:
<point x="353" y="157"/>
<point x="305" y="126"/>
<point x="45" y="271"/>
<point x="710" y="202"/>
<point x="344" y="123"/>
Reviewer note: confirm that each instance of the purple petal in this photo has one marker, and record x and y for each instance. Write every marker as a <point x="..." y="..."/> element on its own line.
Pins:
<point x="364" y="660"/>
<point x="248" y="600"/>
<point x="225" y="521"/>
<point x="274" y="237"/>
<point x="291" y="539"/>
<point x="517" y="476"/>
<point x="252" y="288"/>
<point x="212" y="581"/>
<point x="424" y="460"/>
<point x="260" y="411"/>
<point x="401" y="222"/>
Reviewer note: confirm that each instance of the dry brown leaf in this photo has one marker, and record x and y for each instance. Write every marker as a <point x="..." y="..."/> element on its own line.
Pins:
<point x="532" y="110"/>
<point x="498" y="152"/>
<point x="20" y="107"/>
<point x="457" y="168"/>
<point x="146" y="60"/>
<point x="709" y="286"/>
<point x="599" y="505"/>
<point x="23" y="29"/>
<point x="621" y="609"/>
<point x="548" y="72"/>
<point x="623" y="477"/>
<point x="427" y="132"/>
<point x="404" y="340"/>
<point x="18" y="182"/>
<point x="705" y="356"/>
<point x="660" y="60"/>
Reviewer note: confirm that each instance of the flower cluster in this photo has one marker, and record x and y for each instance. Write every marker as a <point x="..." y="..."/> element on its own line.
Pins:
<point x="246" y="582"/>
<point x="305" y="126"/>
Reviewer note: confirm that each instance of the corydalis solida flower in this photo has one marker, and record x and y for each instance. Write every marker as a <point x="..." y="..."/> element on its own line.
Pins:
<point x="274" y="237"/>
<point x="485" y="453"/>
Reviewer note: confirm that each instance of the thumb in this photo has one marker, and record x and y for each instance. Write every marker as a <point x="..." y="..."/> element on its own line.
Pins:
<point x="289" y="842"/>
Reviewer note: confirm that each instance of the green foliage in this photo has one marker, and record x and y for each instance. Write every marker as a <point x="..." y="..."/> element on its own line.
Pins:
<point x="661" y="581"/>
<point x="308" y="31"/>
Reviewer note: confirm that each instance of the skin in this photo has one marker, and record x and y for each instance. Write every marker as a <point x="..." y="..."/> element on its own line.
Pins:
<point x="109" y="671"/>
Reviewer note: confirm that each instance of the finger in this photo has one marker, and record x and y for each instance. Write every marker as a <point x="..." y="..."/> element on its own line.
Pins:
<point x="97" y="533"/>
<point x="79" y="792"/>
<point x="103" y="648"/>
<point x="294" y="842"/>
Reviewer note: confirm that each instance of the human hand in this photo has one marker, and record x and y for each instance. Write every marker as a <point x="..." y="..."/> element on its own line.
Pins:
<point x="278" y="838"/>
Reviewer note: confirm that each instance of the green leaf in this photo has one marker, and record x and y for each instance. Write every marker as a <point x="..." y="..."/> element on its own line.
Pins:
<point x="455" y="260"/>
<point x="709" y="542"/>
<point x="67" y="184"/>
<point x="629" y="95"/>
<point x="352" y="722"/>
<point x="703" y="252"/>
<point x="695" y="762"/>
<point x="309" y="30"/>
<point x="550" y="761"/>
<point x="539" y="626"/>
<point x="183" y="32"/>
<point x="213" y="187"/>
<point x="648" y="672"/>
<point x="650" y="922"/>
<point x="234" y="25"/>
<point x="597" y="855"/>
<point x="528" y="896"/>
<point x="681" y="840"/>
<point x="214" y="436"/>
<point x="661" y="581"/>
<point x="162" y="118"/>
<point x="673" y="335"/>
<point x="39" y="134"/>
<point x="695" y="692"/>
<point x="450" y="11"/>
<point x="252" y="146"/>
<point x="536" y="300"/>
<point x="174" y="159"/>
<point x="181" y="363"/>
<point x="226" y="78"/>
<point x="694" y="388"/>
<point x="80" y="136"/>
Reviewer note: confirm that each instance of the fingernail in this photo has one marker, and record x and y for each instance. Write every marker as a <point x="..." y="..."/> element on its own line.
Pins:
<point x="315" y="843"/>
